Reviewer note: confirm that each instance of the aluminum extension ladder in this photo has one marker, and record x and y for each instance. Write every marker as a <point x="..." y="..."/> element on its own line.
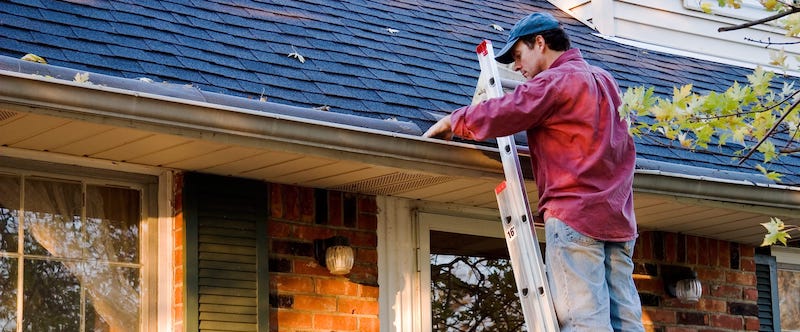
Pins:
<point x="515" y="212"/>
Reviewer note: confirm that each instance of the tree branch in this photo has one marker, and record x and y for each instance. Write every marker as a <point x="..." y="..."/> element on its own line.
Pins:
<point x="759" y="21"/>
<point x="767" y="135"/>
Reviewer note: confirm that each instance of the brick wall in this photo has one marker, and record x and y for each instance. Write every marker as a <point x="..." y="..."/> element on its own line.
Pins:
<point x="178" y="235"/>
<point x="727" y="273"/>
<point x="304" y="296"/>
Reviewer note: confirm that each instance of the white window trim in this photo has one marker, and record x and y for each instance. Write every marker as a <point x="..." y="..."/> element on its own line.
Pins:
<point x="446" y="223"/>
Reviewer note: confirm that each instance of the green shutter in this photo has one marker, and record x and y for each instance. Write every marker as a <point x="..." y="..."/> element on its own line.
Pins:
<point x="767" y="284"/>
<point x="226" y="272"/>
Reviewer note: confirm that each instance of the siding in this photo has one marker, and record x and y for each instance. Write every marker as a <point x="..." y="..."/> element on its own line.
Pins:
<point x="668" y="23"/>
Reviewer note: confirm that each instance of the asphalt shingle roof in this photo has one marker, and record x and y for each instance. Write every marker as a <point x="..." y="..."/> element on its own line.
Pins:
<point x="409" y="60"/>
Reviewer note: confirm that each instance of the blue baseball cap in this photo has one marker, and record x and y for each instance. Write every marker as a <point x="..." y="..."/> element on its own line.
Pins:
<point x="533" y="23"/>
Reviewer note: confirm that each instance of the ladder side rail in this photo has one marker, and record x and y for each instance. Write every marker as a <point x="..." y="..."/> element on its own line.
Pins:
<point x="526" y="257"/>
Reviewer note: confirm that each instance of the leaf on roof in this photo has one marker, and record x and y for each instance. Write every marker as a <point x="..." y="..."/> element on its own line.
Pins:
<point x="498" y="27"/>
<point x="323" y="108"/>
<point x="392" y="31"/>
<point x="33" y="58"/>
<point x="82" y="78"/>
<point x="145" y="79"/>
<point x="297" y="55"/>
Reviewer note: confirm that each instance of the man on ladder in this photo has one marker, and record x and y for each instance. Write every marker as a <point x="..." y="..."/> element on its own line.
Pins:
<point x="583" y="160"/>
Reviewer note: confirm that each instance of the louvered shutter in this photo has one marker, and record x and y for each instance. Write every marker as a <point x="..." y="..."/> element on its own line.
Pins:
<point x="767" y="284"/>
<point x="228" y="274"/>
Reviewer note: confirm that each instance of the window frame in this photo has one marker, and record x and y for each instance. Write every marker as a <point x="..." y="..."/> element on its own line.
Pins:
<point x="146" y="185"/>
<point x="750" y="10"/>
<point x="428" y="222"/>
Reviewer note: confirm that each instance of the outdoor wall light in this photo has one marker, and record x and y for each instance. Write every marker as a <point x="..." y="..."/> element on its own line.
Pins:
<point x="681" y="282"/>
<point x="334" y="253"/>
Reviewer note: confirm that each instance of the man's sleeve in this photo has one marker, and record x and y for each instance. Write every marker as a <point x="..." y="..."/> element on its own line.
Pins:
<point x="527" y="106"/>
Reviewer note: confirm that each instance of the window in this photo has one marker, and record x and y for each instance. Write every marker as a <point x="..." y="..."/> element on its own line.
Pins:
<point x="466" y="276"/>
<point x="788" y="280"/>
<point x="750" y="9"/>
<point x="70" y="254"/>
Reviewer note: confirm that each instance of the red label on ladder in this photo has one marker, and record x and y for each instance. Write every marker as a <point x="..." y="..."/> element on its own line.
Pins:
<point x="482" y="48"/>
<point x="500" y="187"/>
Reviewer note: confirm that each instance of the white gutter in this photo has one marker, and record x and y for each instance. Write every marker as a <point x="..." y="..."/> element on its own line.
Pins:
<point x="263" y="129"/>
<point x="214" y="122"/>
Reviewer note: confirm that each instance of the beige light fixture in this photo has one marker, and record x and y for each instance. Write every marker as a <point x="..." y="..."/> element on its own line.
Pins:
<point x="682" y="283"/>
<point x="336" y="254"/>
<point x="688" y="290"/>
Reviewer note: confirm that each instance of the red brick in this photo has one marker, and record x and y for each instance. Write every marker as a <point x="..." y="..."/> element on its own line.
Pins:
<point x="658" y="316"/>
<point x="710" y="274"/>
<point x="726" y="291"/>
<point x="338" y="286"/>
<point x="357" y="306"/>
<point x="291" y="203"/>
<point x="752" y="323"/>
<point x="679" y="329"/>
<point x="747" y="251"/>
<point x="306" y="201"/>
<point x="309" y="267"/>
<point x="707" y="254"/>
<point x="750" y="293"/>
<point x="276" y="200"/>
<point x="724" y="252"/>
<point x="368" y="291"/>
<point x="290" y="319"/>
<point x="335" y="322"/>
<point x="644" y="247"/>
<point x="748" y="265"/>
<point x="367" y="204"/>
<point x="292" y="283"/>
<point x="741" y="278"/>
<point x="712" y="305"/>
<point x="726" y="321"/>
<point x="670" y="247"/>
<point x="310" y="232"/>
<point x="693" y="250"/>
<point x="369" y="324"/>
<point x="314" y="303"/>
<point x="335" y="208"/>
<point x="367" y="255"/>
<point x="364" y="239"/>
<point x="368" y="222"/>
<point x="649" y="285"/>
<point x="278" y="229"/>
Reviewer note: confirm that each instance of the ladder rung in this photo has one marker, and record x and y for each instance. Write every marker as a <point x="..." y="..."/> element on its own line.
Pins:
<point x="509" y="83"/>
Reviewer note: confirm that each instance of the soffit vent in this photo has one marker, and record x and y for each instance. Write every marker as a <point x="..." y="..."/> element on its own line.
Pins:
<point x="393" y="183"/>
<point x="5" y="115"/>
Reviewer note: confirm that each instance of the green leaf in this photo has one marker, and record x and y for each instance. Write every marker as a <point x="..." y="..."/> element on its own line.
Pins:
<point x="768" y="149"/>
<point x="775" y="232"/>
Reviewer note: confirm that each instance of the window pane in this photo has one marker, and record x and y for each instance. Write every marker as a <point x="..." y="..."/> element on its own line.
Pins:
<point x="52" y="224"/>
<point x="9" y="209"/>
<point x="8" y="294"/>
<point x="51" y="297"/>
<point x="472" y="284"/>
<point x="114" y="305"/>
<point x="113" y="224"/>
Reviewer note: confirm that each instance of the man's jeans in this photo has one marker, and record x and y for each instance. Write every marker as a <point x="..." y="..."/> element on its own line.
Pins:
<point x="591" y="281"/>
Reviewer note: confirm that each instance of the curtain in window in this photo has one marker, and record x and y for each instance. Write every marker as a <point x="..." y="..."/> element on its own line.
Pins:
<point x="99" y="249"/>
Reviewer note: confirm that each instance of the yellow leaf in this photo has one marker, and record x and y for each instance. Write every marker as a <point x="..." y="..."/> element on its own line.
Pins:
<point x="33" y="58"/>
<point x="81" y="78"/>
<point x="706" y="7"/>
